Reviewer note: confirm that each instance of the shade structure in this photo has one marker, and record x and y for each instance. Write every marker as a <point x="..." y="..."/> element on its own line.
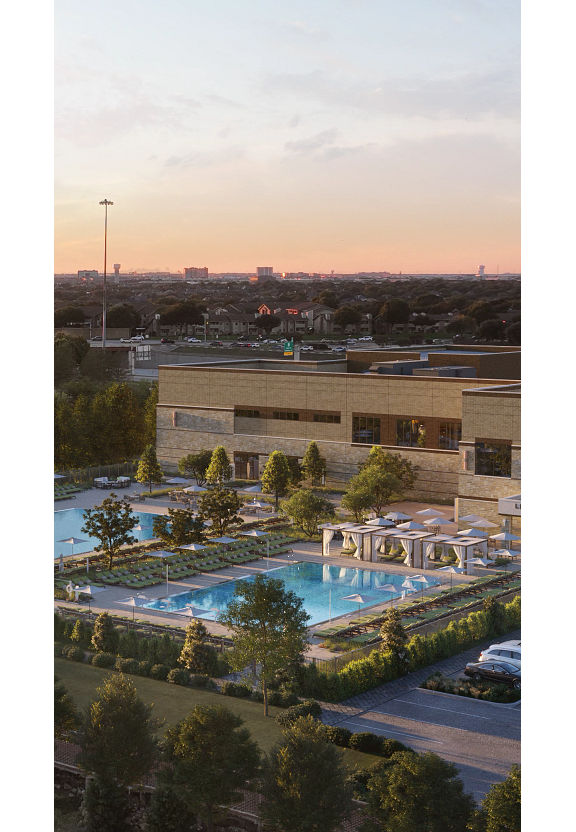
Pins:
<point x="455" y="570"/>
<point x="72" y="540"/>
<point x="222" y="540"/>
<point x="192" y="547"/>
<point x="358" y="599"/>
<point x="253" y="489"/>
<point x="194" y="489"/>
<point x="469" y="518"/>
<point x="177" y="481"/>
<point x="473" y="533"/>
<point x="411" y="526"/>
<point x="163" y="554"/>
<point x="481" y="523"/>
<point x="407" y="584"/>
<point x="504" y="537"/>
<point x="380" y="521"/>
<point x="437" y="521"/>
<point x="421" y="579"/>
<point x="386" y="588"/>
<point x="254" y="533"/>
<point x="429" y="512"/>
<point x="506" y="553"/>
<point x="480" y="561"/>
<point x="397" y="516"/>
<point x="256" y="504"/>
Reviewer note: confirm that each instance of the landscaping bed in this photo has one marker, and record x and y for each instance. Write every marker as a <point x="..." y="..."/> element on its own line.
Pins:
<point x="474" y="690"/>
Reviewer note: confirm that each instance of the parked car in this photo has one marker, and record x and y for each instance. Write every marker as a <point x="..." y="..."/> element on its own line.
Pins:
<point x="96" y="338"/>
<point x="123" y="340"/>
<point x="500" y="672"/>
<point x="306" y="347"/>
<point x="167" y="341"/>
<point x="194" y="340"/>
<point x="137" y="338"/>
<point x="216" y="343"/>
<point x="508" y="651"/>
<point x="366" y="338"/>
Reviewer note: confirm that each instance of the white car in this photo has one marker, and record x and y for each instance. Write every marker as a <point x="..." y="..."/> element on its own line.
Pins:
<point x="194" y="340"/>
<point x="306" y="347"/>
<point x="137" y="338"/>
<point x="366" y="338"/>
<point x="508" y="651"/>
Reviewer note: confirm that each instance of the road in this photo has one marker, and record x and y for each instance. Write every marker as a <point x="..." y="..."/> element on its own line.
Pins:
<point x="481" y="738"/>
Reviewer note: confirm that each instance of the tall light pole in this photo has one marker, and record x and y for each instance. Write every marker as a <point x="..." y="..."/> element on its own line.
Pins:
<point x="105" y="203"/>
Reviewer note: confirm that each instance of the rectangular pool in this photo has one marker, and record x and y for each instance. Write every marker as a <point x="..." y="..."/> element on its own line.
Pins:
<point x="69" y="522"/>
<point x="321" y="587"/>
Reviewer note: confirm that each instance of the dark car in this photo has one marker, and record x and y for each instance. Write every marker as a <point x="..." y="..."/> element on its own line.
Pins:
<point x="167" y="341"/>
<point x="499" y="672"/>
<point x="96" y="338"/>
<point x="216" y="343"/>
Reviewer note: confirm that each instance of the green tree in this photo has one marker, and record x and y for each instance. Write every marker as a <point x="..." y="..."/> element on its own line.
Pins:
<point x="122" y="315"/>
<point x="412" y="792"/>
<point x="220" y="468"/>
<point x="222" y="506"/>
<point x="209" y="758"/>
<point x="494" y="329"/>
<point x="372" y="487"/>
<point x="313" y="464"/>
<point x="268" y="625"/>
<point x="392" y="464"/>
<point x="267" y="322"/>
<point x="149" y="469"/>
<point x="105" y="635"/>
<point x="117" y="735"/>
<point x="69" y="315"/>
<point x="394" y="638"/>
<point x="347" y="316"/>
<point x="197" y="655"/>
<point x="105" y="806"/>
<point x="357" y="501"/>
<point x="150" y="404"/>
<point x="178" y="528"/>
<point x="394" y="311"/>
<point x="66" y="717"/>
<point x="276" y="476"/>
<point x="295" y="471"/>
<point x="501" y="808"/>
<point x="307" y="509"/>
<point x="167" y="811"/>
<point x="65" y="364"/>
<point x="110" y="523"/>
<point x="196" y="465"/>
<point x="304" y="785"/>
<point x="181" y="313"/>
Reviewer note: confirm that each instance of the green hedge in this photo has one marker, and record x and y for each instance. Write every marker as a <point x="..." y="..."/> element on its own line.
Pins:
<point x="380" y="667"/>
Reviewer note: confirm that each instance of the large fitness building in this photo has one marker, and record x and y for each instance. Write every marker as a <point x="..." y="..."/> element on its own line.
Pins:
<point x="453" y="412"/>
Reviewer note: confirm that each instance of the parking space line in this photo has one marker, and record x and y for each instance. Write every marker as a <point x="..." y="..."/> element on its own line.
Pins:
<point x="399" y="733"/>
<point x="436" y="708"/>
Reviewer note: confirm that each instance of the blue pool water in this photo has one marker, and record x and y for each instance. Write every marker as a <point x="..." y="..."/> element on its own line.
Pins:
<point x="320" y="586"/>
<point x="69" y="522"/>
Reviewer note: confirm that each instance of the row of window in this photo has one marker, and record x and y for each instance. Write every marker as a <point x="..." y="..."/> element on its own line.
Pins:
<point x="410" y="433"/>
<point x="288" y="415"/>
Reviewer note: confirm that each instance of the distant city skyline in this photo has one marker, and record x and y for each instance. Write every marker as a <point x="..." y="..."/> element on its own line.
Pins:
<point x="334" y="135"/>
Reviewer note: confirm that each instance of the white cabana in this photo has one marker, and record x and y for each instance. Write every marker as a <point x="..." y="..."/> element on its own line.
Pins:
<point x="464" y="546"/>
<point x="429" y="547"/>
<point x="411" y="542"/>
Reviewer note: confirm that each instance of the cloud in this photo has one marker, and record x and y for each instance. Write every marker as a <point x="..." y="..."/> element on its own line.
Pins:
<point x="314" y="142"/>
<point x="303" y="30"/>
<point x="206" y="158"/>
<point x="469" y="95"/>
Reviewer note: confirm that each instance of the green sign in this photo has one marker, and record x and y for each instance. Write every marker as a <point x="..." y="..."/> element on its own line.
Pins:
<point x="288" y="347"/>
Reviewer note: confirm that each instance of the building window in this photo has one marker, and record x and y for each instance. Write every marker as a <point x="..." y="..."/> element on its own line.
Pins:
<point x="330" y="418"/>
<point x="493" y="459"/>
<point x="286" y="415"/>
<point x="410" y="433"/>
<point x="366" y="430"/>
<point x="449" y="435"/>
<point x="247" y="414"/>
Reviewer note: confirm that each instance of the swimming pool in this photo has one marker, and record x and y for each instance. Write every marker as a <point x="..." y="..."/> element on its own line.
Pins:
<point x="69" y="522"/>
<point x="321" y="587"/>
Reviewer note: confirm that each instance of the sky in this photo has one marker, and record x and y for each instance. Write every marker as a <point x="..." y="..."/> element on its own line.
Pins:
<point x="315" y="135"/>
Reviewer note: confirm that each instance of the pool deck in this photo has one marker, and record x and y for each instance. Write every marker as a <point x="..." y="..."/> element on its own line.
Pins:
<point x="110" y="598"/>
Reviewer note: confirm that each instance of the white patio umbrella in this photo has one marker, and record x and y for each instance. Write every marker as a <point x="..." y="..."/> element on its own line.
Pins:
<point x="411" y="526"/>
<point x="132" y="602"/>
<point x="481" y="523"/>
<point x="408" y="585"/>
<point x="454" y="570"/>
<point x="72" y="541"/>
<point x="194" y="489"/>
<point x="506" y="553"/>
<point x="253" y="489"/>
<point x="380" y="521"/>
<point x="437" y="521"/>
<point x="429" y="512"/>
<point x="254" y="533"/>
<point x="473" y="533"/>
<point x="257" y="504"/>
<point x="480" y="561"/>
<point x="504" y="537"/>
<point x="420" y="579"/>
<point x="385" y="588"/>
<point x="59" y="476"/>
<point x="397" y="516"/>
<point x="177" y="481"/>
<point x="192" y="547"/>
<point x="359" y="599"/>
<point x="469" y="518"/>
<point x="223" y="539"/>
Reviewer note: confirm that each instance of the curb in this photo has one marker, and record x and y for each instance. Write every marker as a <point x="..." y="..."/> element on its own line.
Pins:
<point x="471" y="698"/>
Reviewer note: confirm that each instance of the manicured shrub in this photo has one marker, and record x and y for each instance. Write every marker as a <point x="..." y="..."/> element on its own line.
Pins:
<point x="75" y="654"/>
<point x="104" y="660"/>
<point x="197" y="680"/>
<point x="236" y="689"/>
<point x="144" y="668"/>
<point x="178" y="676"/>
<point x="390" y="747"/>
<point x="367" y="742"/>
<point x="126" y="665"/>
<point x="159" y="671"/>
<point x="307" y="708"/>
<point x="339" y="736"/>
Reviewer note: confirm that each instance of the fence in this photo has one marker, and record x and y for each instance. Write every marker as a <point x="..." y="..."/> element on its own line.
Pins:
<point x="87" y="475"/>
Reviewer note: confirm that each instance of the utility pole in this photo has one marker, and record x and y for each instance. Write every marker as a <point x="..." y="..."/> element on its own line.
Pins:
<point x="105" y="203"/>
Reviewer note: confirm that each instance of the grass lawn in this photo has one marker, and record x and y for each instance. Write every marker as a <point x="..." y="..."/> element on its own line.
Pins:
<point x="173" y="702"/>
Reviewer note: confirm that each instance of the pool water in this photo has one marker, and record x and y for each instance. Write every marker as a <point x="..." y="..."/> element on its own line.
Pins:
<point x="321" y="587"/>
<point x="69" y="522"/>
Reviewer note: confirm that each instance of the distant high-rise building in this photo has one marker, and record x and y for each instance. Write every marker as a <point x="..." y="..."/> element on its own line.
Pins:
<point x="481" y="271"/>
<point x="87" y="274"/>
<point x="191" y="272"/>
<point x="116" y="274"/>
<point x="264" y="271"/>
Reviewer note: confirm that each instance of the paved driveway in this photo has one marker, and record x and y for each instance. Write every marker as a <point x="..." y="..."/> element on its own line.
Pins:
<point x="481" y="738"/>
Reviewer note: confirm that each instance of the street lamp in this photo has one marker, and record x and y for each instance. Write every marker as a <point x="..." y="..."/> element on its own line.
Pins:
<point x="105" y="203"/>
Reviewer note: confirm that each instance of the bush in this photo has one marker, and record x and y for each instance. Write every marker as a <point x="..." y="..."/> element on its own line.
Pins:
<point x="307" y="708"/>
<point x="282" y="698"/>
<point x="178" y="676"/>
<point x="159" y="671"/>
<point x="390" y="747"/>
<point x="236" y="689"/>
<point x="144" y="668"/>
<point x="199" y="681"/>
<point x="75" y="654"/>
<point x="104" y="660"/>
<point x="126" y="665"/>
<point x="338" y="736"/>
<point x="367" y="742"/>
